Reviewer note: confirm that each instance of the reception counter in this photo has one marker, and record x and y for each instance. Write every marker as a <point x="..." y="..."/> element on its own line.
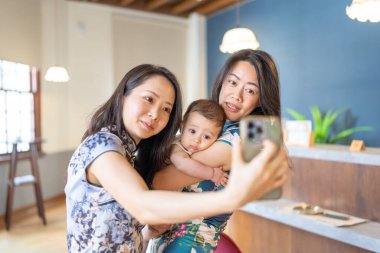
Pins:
<point x="337" y="153"/>
<point x="329" y="176"/>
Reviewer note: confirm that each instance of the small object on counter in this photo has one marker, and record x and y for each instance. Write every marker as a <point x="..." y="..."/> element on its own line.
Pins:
<point x="316" y="210"/>
<point x="298" y="133"/>
<point x="357" y="145"/>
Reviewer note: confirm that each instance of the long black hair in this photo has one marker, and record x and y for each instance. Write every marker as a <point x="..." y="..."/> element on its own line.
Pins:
<point x="152" y="151"/>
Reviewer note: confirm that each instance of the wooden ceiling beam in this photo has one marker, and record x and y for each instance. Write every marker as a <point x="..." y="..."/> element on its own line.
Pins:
<point x="170" y="7"/>
<point x="125" y="3"/>
<point x="185" y="6"/>
<point x="214" y="6"/>
<point x="155" y="4"/>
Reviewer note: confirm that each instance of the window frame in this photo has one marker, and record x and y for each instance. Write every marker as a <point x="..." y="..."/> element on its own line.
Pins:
<point x="35" y="90"/>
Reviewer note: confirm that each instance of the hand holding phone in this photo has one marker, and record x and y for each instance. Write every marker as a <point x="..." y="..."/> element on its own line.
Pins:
<point x="253" y="131"/>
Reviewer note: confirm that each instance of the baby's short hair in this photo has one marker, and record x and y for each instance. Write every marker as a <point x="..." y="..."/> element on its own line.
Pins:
<point x="208" y="109"/>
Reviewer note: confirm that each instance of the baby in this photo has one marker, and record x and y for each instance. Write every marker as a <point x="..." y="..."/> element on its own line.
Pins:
<point x="201" y="126"/>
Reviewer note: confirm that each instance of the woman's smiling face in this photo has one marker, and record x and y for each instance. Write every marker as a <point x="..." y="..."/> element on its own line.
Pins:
<point x="239" y="94"/>
<point x="146" y="110"/>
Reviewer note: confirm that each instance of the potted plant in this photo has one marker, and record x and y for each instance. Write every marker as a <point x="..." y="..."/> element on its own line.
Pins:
<point x="322" y="125"/>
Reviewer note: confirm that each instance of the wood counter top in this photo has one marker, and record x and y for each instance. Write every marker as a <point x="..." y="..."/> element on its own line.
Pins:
<point x="365" y="236"/>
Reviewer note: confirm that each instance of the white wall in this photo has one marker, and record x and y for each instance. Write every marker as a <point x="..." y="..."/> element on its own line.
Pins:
<point x="54" y="98"/>
<point x="90" y="62"/>
<point x="109" y="41"/>
<point x="152" y="39"/>
<point x="20" y="31"/>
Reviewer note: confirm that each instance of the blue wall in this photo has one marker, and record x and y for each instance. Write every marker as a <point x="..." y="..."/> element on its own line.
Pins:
<point x="324" y="57"/>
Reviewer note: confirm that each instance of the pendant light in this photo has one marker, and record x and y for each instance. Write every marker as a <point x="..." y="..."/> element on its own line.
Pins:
<point x="238" y="38"/>
<point x="364" y="10"/>
<point x="56" y="73"/>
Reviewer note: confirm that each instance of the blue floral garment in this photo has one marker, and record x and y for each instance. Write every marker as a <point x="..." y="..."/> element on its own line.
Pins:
<point x="200" y="235"/>
<point x="95" y="221"/>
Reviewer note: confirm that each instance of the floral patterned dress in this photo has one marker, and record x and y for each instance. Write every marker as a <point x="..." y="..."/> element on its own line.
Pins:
<point x="95" y="221"/>
<point x="200" y="235"/>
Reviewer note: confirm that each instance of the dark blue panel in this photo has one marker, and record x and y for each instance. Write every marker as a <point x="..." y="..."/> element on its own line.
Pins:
<point x="324" y="57"/>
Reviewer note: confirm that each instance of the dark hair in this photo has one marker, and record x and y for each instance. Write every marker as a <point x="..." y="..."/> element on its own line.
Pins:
<point x="267" y="76"/>
<point x="207" y="108"/>
<point x="152" y="151"/>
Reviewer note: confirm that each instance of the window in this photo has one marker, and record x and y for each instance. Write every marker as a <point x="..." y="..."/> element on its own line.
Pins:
<point x="19" y="106"/>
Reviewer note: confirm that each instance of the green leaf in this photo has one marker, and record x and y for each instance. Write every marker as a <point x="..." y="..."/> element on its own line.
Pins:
<point x="348" y="132"/>
<point x="317" y="121"/>
<point x="295" y="114"/>
<point x="325" y="124"/>
<point x="332" y="116"/>
<point x="316" y="113"/>
<point x="328" y="120"/>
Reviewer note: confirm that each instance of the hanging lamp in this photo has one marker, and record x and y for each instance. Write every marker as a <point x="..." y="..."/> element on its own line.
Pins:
<point x="364" y="10"/>
<point x="56" y="74"/>
<point x="238" y="38"/>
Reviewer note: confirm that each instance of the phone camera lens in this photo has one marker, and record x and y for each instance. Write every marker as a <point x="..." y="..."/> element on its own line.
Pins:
<point x="259" y="130"/>
<point x="251" y="125"/>
<point x="251" y="135"/>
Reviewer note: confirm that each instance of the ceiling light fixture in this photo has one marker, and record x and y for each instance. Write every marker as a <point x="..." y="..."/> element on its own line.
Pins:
<point x="56" y="73"/>
<point x="364" y="10"/>
<point x="238" y="38"/>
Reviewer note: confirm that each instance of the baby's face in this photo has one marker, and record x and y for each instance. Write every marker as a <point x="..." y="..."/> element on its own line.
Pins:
<point x="199" y="133"/>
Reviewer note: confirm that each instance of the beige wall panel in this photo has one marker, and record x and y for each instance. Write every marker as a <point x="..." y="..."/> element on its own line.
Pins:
<point x="140" y="40"/>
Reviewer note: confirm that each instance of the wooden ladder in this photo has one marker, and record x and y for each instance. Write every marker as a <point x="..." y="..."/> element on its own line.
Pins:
<point x="15" y="181"/>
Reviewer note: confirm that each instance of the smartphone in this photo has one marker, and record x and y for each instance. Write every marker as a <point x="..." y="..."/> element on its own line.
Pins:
<point x="255" y="129"/>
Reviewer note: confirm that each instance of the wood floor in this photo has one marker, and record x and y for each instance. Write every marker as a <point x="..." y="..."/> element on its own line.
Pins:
<point x="28" y="234"/>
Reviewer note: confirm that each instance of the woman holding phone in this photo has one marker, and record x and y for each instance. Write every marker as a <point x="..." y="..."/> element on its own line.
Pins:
<point x="247" y="84"/>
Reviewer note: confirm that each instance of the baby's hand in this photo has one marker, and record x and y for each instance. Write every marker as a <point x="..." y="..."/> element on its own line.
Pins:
<point x="220" y="177"/>
<point x="151" y="231"/>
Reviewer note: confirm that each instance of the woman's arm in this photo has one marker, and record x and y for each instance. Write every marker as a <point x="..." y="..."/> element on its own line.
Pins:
<point x="248" y="181"/>
<point x="217" y="155"/>
<point x="126" y="186"/>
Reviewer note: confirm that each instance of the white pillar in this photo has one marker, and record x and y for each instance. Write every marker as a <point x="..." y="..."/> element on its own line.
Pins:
<point x="196" y="79"/>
